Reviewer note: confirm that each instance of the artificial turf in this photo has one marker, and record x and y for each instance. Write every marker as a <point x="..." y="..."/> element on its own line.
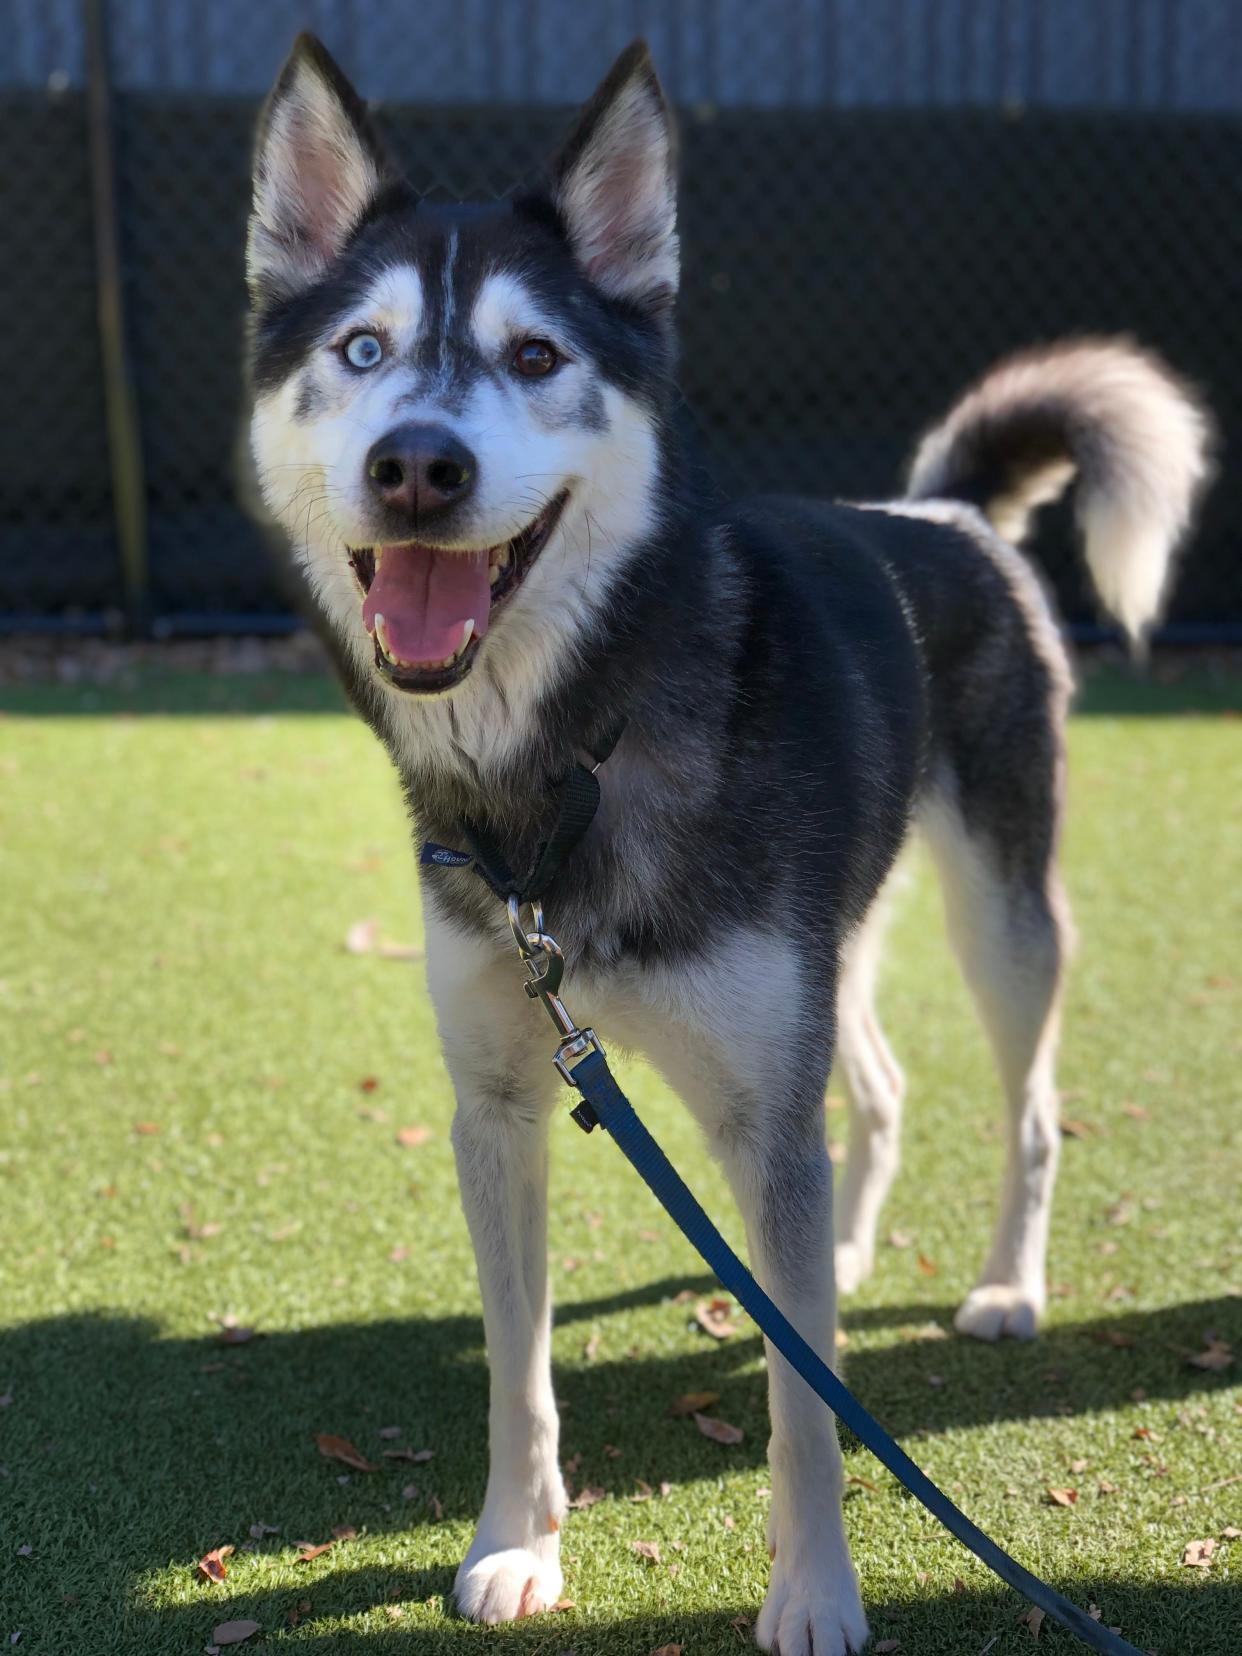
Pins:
<point x="202" y="1096"/>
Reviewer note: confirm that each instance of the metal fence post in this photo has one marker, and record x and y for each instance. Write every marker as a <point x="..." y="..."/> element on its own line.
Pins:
<point x="129" y="495"/>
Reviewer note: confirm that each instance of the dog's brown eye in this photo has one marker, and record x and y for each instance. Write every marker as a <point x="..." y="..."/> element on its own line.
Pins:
<point x="534" y="358"/>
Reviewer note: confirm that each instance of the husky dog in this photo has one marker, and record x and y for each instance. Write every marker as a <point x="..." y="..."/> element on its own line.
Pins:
<point x="463" y="423"/>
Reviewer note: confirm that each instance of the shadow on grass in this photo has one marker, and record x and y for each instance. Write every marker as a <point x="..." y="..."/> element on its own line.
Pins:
<point x="1192" y="1618"/>
<point x="1173" y="683"/>
<point x="131" y="1450"/>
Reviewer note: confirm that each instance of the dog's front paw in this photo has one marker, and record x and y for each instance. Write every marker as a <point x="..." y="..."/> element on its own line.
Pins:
<point x="812" y="1612"/>
<point x="502" y="1586"/>
<point x="994" y="1308"/>
<point x="853" y="1265"/>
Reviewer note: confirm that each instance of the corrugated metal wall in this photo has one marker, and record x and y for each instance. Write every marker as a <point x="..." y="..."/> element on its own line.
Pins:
<point x="1104" y="54"/>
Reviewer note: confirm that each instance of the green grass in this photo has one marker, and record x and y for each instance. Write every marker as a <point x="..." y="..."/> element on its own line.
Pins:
<point x="177" y="889"/>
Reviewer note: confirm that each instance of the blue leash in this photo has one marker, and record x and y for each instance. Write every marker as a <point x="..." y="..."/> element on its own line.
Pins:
<point x="605" y="1104"/>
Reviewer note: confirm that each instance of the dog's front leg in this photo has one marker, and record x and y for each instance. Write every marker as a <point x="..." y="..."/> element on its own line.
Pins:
<point x="500" y="1137"/>
<point x="753" y="1068"/>
<point x="782" y="1178"/>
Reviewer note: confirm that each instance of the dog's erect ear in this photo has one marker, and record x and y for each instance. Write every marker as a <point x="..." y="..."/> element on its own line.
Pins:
<point x="615" y="186"/>
<point x="318" y="168"/>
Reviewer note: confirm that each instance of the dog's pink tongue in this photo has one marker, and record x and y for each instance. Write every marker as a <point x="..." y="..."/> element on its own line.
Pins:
<point x="426" y="597"/>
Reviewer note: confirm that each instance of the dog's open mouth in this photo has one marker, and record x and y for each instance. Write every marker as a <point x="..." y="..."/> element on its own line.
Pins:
<point x="427" y="608"/>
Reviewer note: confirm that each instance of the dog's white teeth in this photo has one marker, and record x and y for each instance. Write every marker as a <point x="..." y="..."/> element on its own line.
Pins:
<point x="381" y="634"/>
<point x="493" y="574"/>
<point x="465" y="635"/>
<point x="379" y="558"/>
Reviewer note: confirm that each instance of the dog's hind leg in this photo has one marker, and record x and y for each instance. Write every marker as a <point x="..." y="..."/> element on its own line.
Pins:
<point x="734" y="1038"/>
<point x="505" y="1086"/>
<point x="874" y="1087"/>
<point x="1010" y="930"/>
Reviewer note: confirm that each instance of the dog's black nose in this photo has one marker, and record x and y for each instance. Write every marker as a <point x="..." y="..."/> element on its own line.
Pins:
<point x="420" y="471"/>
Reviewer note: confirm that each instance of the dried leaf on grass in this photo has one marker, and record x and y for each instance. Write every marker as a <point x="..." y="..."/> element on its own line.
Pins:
<point x="341" y="1449"/>
<point x="196" y="1229"/>
<point x="399" y="951"/>
<point x="211" y="1565"/>
<point x="1033" y="1620"/>
<point x="650" y="1550"/>
<point x="363" y="938"/>
<point x="587" y="1497"/>
<point x="562" y="1604"/>
<point x="417" y="1455"/>
<point x="1217" y="1356"/>
<point x="712" y="1317"/>
<point x="667" y="1650"/>
<point x="718" y="1430"/>
<point x="411" y="1137"/>
<point x="234" y="1632"/>
<point x="1197" y="1555"/>
<point x="886" y="1647"/>
<point x="928" y="1267"/>
<point x="1063" y="1497"/>
<point x="691" y="1402"/>
<point x="309" y="1550"/>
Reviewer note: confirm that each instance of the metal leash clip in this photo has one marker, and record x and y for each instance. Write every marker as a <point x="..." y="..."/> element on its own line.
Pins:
<point x="545" y="961"/>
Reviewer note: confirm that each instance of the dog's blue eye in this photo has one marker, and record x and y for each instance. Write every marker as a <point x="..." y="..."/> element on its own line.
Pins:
<point x="363" y="350"/>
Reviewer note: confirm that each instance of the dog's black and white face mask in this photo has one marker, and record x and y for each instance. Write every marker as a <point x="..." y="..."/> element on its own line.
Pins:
<point x="457" y="410"/>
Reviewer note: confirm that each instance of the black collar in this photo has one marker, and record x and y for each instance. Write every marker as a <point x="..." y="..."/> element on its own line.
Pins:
<point x="575" y="798"/>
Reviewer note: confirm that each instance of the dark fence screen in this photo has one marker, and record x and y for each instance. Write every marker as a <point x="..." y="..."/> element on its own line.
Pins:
<point x="846" y="272"/>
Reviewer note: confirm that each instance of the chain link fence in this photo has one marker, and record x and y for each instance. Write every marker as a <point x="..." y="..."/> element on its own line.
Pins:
<point x="880" y="197"/>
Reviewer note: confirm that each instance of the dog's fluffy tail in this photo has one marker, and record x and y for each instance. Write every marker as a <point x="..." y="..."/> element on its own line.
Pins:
<point x="1100" y="410"/>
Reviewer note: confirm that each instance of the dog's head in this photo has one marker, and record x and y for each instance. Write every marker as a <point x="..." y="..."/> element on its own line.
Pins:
<point x="456" y="409"/>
